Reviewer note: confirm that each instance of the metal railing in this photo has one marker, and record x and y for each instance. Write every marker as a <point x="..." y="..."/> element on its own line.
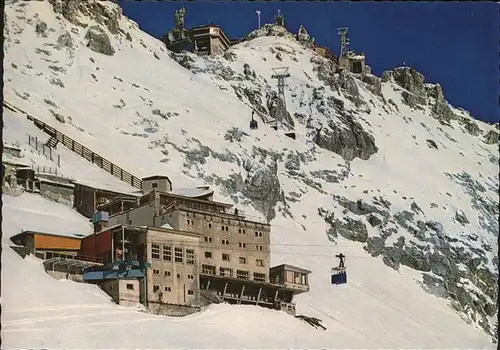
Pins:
<point x="42" y="148"/>
<point x="81" y="150"/>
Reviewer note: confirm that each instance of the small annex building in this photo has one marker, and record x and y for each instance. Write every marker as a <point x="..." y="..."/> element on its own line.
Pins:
<point x="45" y="245"/>
<point x="89" y="197"/>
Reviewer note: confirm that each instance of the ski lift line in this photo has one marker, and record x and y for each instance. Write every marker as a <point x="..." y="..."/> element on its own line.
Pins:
<point x="193" y="245"/>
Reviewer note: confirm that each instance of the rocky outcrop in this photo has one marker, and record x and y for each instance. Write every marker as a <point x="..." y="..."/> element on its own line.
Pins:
<point x="461" y="217"/>
<point x="270" y="30"/>
<point x="349" y="140"/>
<point x="247" y="71"/>
<point x="374" y="84"/>
<point x="99" y="41"/>
<point x="64" y="40"/>
<point x="435" y="91"/>
<point x="351" y="229"/>
<point x="491" y="138"/>
<point x="263" y="188"/>
<point x="409" y="79"/>
<point x="304" y="38"/>
<point x="104" y="13"/>
<point x="471" y="127"/>
<point x="234" y="134"/>
<point x="41" y="27"/>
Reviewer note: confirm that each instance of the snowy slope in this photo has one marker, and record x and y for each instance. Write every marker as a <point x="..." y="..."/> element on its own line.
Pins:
<point x="150" y="112"/>
<point x="34" y="305"/>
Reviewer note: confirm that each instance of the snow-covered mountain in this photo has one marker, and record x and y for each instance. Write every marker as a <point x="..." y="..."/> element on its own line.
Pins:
<point x="382" y="169"/>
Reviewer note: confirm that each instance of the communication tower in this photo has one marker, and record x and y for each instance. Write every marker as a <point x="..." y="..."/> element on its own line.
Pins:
<point x="344" y="41"/>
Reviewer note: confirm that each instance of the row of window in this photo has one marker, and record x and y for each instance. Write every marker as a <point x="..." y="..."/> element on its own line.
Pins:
<point x="222" y="220"/>
<point x="168" y="273"/>
<point x="156" y="288"/>
<point x="178" y="256"/>
<point x="225" y="228"/>
<point x="240" y="244"/>
<point x="228" y="272"/>
<point x="227" y="257"/>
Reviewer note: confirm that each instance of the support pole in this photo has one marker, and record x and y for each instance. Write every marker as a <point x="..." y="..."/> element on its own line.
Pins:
<point x="258" y="296"/>
<point x="225" y="289"/>
<point x="241" y="294"/>
<point x="123" y="243"/>
<point x="112" y="247"/>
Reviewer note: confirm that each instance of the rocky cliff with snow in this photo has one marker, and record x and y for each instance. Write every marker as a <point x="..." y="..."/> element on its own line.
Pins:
<point x="383" y="162"/>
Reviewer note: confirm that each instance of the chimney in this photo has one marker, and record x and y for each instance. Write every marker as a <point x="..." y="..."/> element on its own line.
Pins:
<point x="100" y="220"/>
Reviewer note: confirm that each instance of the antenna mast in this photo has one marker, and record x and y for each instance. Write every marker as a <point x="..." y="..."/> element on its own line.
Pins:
<point x="280" y="74"/>
<point x="344" y="41"/>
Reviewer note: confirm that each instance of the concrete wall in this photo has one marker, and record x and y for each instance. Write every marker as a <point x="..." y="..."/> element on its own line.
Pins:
<point x="141" y="216"/>
<point x="171" y="310"/>
<point x="128" y="296"/>
<point x="163" y="185"/>
<point x="119" y="290"/>
<point x="59" y="194"/>
<point x="172" y="218"/>
<point x="217" y="46"/>
<point x="174" y="280"/>
<point x="216" y="240"/>
<point x="60" y="275"/>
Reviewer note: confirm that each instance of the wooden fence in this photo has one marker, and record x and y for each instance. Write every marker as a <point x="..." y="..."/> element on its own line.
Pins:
<point x="82" y="151"/>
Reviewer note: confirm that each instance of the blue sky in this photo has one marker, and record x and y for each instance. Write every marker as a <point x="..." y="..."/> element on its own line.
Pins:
<point x="454" y="44"/>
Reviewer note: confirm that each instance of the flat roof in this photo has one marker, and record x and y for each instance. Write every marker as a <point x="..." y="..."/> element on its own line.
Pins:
<point x="290" y="268"/>
<point x="196" y="199"/>
<point x="78" y="236"/>
<point x="192" y="192"/>
<point x="216" y="213"/>
<point x="116" y="200"/>
<point x="11" y="147"/>
<point x="110" y="188"/>
<point x="57" y="183"/>
<point x="221" y="31"/>
<point x="147" y="228"/>
<point x="156" y="177"/>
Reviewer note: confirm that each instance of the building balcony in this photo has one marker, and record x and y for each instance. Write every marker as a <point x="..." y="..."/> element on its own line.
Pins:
<point x="296" y="287"/>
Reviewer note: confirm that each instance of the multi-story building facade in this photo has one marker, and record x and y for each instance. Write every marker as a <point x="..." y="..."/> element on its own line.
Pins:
<point x="205" y="40"/>
<point x="230" y="245"/>
<point x="173" y="276"/>
<point x="233" y="252"/>
<point x="171" y="256"/>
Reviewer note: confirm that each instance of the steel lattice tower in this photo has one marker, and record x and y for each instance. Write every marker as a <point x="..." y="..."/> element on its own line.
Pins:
<point x="280" y="74"/>
<point x="344" y="41"/>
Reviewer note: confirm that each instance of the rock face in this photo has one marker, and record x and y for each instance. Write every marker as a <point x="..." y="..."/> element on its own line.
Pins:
<point x="270" y="30"/>
<point x="374" y="83"/>
<point x="304" y="38"/>
<point x="350" y="142"/>
<point x="64" y="40"/>
<point x="262" y="186"/>
<point x="491" y="138"/>
<point x="409" y="79"/>
<point x="98" y="41"/>
<point x="104" y="13"/>
<point x="41" y="27"/>
<point x="446" y="265"/>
